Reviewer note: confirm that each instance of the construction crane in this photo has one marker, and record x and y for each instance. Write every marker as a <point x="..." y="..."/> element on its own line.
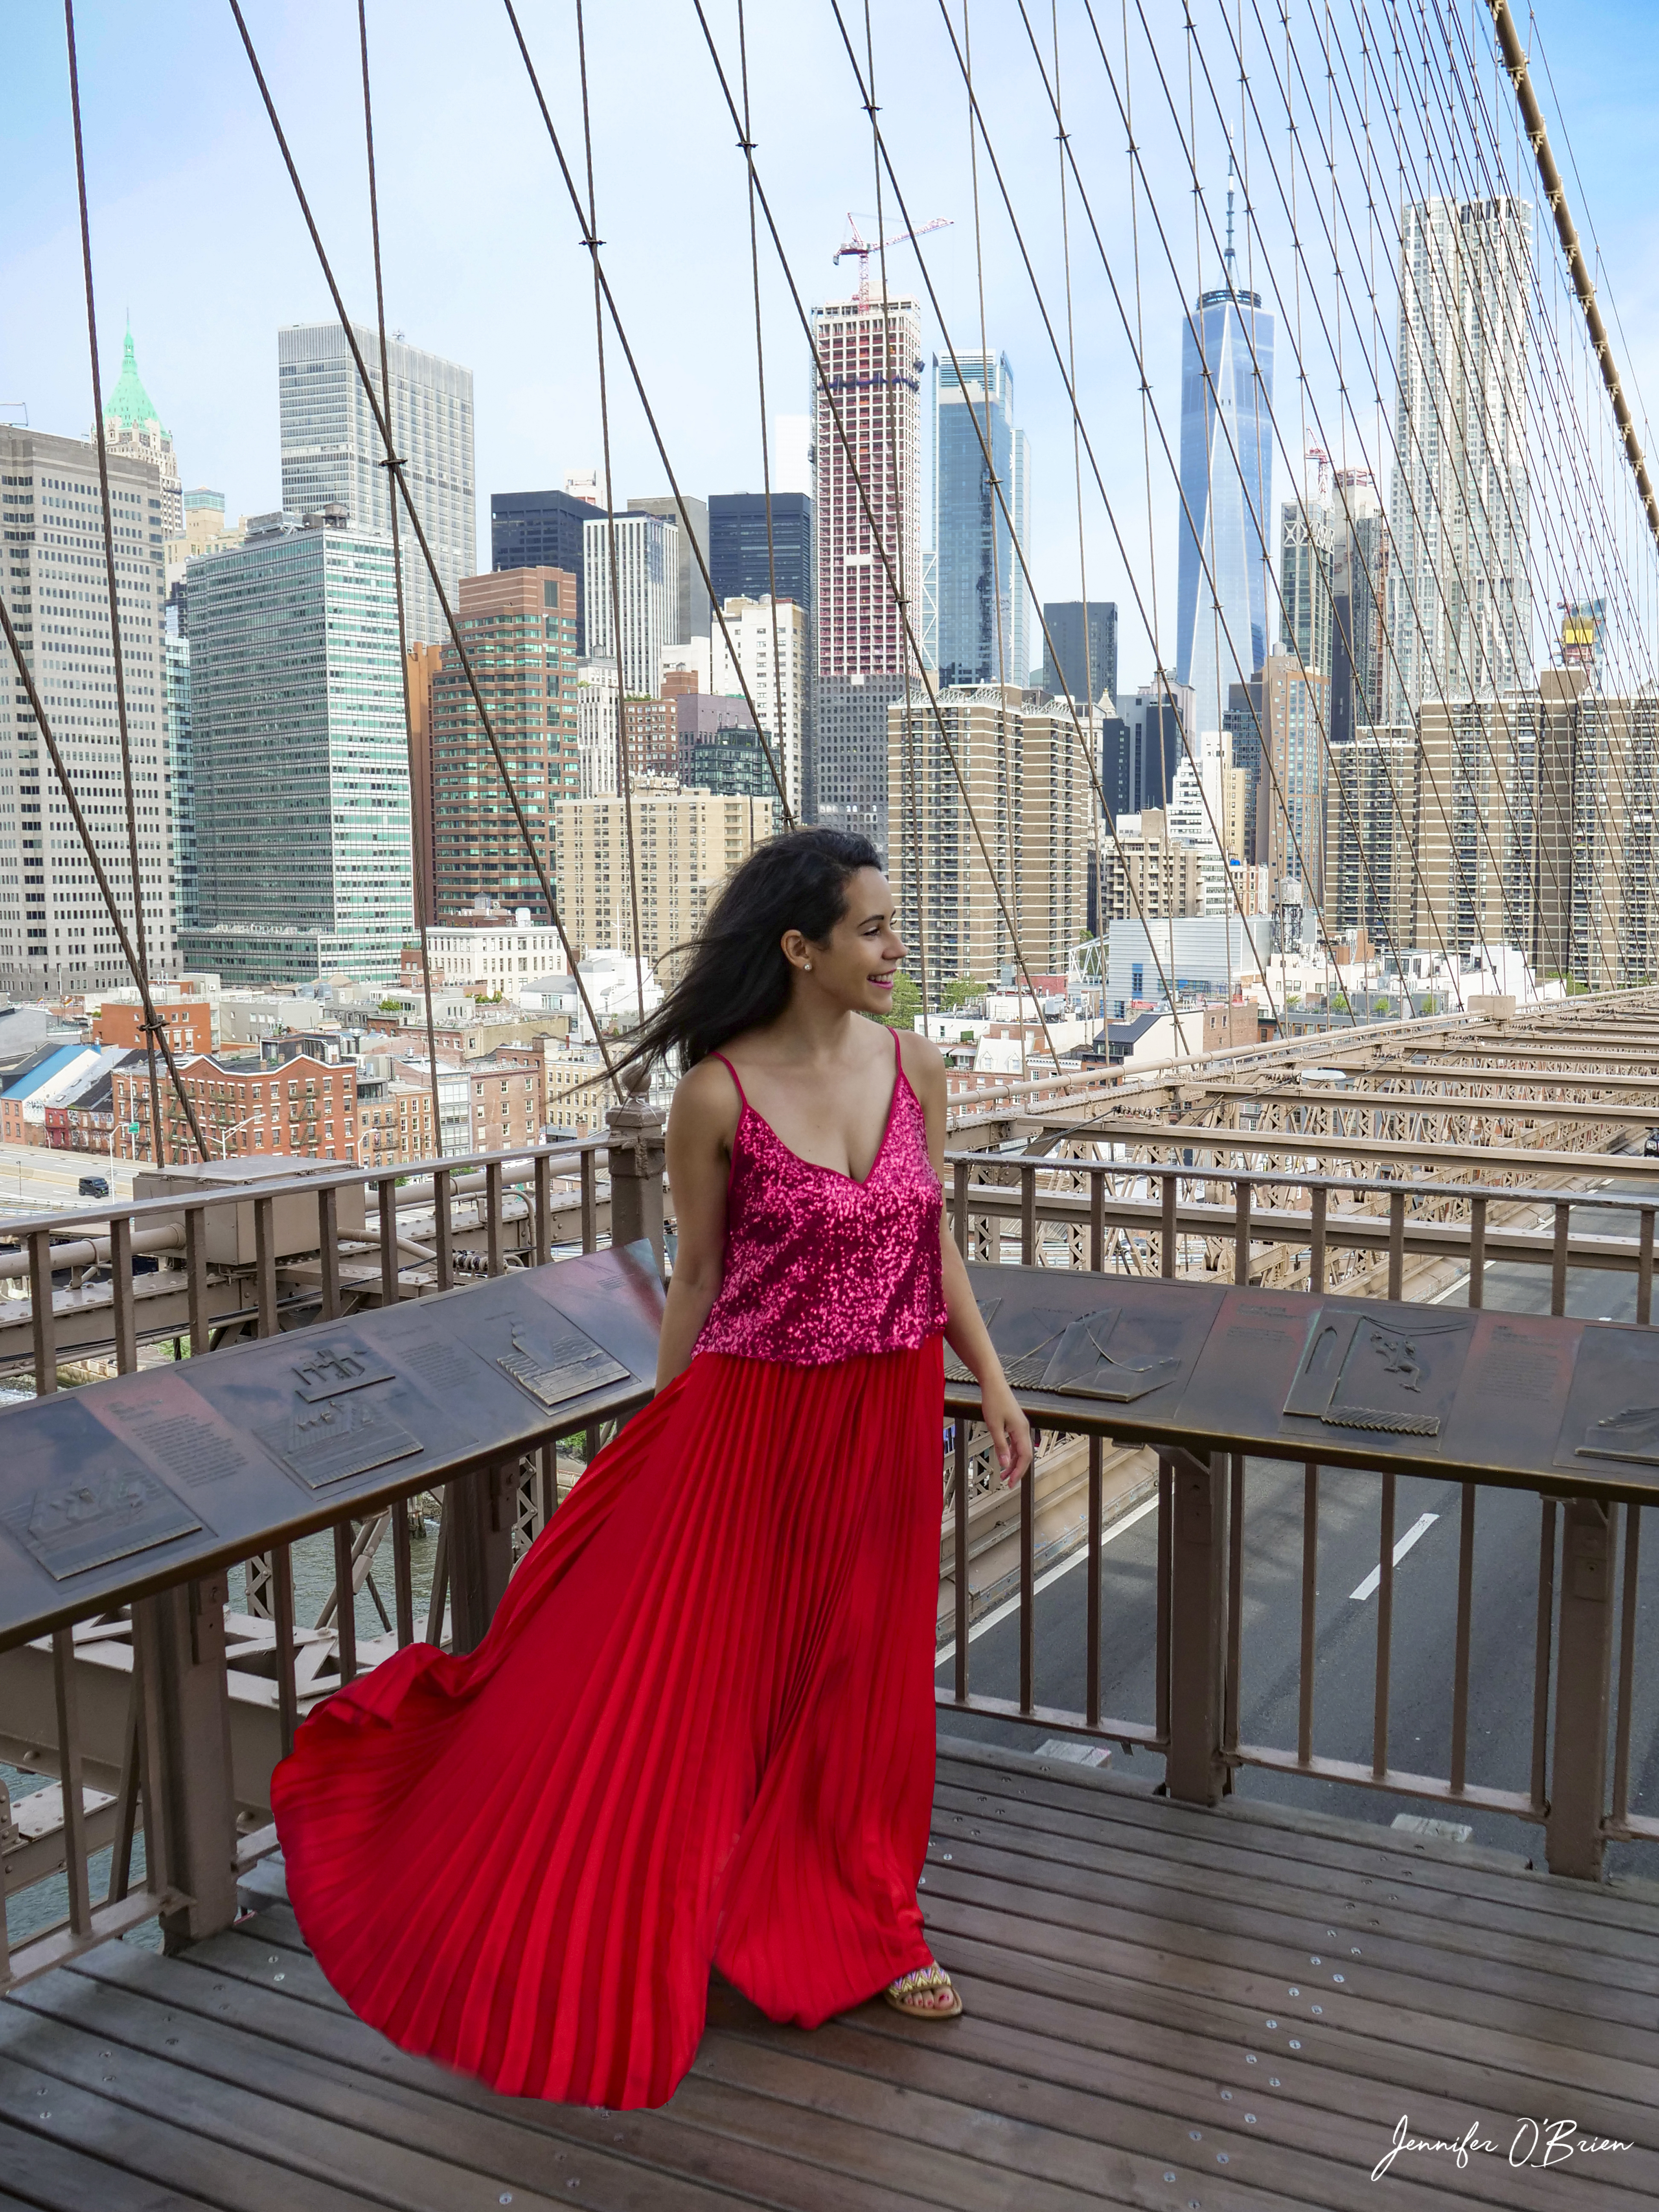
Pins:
<point x="861" y="248"/>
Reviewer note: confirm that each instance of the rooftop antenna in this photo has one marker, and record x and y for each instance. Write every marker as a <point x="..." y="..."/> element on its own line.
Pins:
<point x="1228" y="256"/>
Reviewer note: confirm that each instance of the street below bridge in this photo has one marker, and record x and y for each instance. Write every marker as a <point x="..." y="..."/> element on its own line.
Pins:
<point x="1426" y="1533"/>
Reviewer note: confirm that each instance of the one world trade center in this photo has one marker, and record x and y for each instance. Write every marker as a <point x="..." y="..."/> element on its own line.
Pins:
<point x="1226" y="474"/>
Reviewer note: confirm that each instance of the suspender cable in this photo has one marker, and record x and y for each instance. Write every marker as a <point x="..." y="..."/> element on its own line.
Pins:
<point x="623" y="766"/>
<point x="391" y="462"/>
<point x="537" y="858"/>
<point x="747" y="145"/>
<point x="997" y="500"/>
<point x="137" y="950"/>
<point x="909" y="748"/>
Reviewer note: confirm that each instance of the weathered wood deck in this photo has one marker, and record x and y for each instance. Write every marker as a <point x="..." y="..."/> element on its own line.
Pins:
<point x="1166" y="2007"/>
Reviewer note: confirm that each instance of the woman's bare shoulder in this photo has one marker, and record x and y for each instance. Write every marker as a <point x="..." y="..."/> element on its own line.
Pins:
<point x="706" y="1102"/>
<point x="921" y="1060"/>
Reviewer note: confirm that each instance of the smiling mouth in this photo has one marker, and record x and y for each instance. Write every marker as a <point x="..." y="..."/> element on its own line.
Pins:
<point x="882" y="982"/>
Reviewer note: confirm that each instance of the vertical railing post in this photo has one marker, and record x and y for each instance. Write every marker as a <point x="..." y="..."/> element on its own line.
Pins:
<point x="637" y="1157"/>
<point x="1574" y="1838"/>
<point x="189" y="1766"/>
<point x="1195" y="1770"/>
<point x="480" y="1508"/>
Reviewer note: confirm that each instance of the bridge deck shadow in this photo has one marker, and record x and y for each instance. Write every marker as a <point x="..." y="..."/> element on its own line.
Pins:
<point x="1164" y="2007"/>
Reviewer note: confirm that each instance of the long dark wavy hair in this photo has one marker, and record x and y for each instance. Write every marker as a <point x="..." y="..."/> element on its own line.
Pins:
<point x="736" y="978"/>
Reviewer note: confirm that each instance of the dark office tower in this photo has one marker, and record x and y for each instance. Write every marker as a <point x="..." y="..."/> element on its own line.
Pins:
<point x="1152" y="744"/>
<point x="1087" y="661"/>
<point x="540" y="529"/>
<point x="1114" y="765"/>
<point x="1244" y="726"/>
<point x="738" y="558"/>
<point x="851" y="757"/>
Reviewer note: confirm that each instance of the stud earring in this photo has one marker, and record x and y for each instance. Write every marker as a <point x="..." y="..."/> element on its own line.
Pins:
<point x="808" y="966"/>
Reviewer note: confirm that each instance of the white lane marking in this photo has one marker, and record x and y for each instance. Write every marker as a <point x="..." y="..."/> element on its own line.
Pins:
<point x="1072" y="1559"/>
<point x="1373" y="1581"/>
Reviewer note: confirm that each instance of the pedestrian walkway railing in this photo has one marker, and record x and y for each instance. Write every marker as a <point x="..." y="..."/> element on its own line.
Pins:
<point x="154" y="1711"/>
<point x="1570" y="1635"/>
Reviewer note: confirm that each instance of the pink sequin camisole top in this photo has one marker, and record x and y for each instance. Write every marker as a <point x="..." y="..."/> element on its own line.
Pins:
<point x="819" y="1268"/>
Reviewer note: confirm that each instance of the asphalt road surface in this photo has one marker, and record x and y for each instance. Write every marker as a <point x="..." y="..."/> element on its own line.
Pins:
<point x="32" y="1177"/>
<point x="1507" y="1531"/>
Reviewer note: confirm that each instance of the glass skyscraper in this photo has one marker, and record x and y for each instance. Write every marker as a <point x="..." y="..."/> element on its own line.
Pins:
<point x="541" y="530"/>
<point x="1226" y="477"/>
<point x="300" y="758"/>
<point x="982" y="631"/>
<point x="738" y="558"/>
<point x="331" y="451"/>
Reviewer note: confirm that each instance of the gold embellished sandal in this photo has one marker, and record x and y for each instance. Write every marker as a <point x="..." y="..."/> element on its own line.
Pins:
<point x="920" y="1982"/>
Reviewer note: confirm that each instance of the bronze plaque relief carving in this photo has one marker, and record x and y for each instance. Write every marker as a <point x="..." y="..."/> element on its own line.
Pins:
<point x="95" y="1502"/>
<point x="1381" y="1371"/>
<point x="1612" y="1409"/>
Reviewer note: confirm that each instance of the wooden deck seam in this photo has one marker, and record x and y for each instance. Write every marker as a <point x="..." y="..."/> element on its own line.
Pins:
<point x="1210" y="1854"/>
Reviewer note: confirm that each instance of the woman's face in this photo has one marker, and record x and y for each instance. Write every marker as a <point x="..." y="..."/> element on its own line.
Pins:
<point x="856" y="966"/>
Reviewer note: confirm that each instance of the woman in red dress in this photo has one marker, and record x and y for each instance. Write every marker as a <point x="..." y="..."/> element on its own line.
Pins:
<point x="700" y="1731"/>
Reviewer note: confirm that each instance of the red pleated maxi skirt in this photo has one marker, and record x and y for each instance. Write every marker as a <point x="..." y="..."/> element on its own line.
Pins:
<point x="700" y="1731"/>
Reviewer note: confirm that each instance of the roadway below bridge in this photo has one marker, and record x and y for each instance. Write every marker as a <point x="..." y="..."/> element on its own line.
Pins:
<point x="1425" y="1529"/>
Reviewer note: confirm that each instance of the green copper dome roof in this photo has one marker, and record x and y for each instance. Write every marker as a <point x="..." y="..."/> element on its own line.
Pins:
<point x="129" y="404"/>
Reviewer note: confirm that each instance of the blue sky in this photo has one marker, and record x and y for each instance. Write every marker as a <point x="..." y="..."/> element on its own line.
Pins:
<point x="196" y="234"/>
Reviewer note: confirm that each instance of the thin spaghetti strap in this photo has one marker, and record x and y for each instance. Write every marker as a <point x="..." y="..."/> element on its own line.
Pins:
<point x="742" y="1096"/>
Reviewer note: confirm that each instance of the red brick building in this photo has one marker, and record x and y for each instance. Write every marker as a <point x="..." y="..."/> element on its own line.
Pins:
<point x="190" y="1024"/>
<point x="509" y="1091"/>
<point x="304" y="1108"/>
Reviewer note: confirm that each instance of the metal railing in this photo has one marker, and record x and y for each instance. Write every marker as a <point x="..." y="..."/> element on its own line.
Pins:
<point x="160" y="1718"/>
<point x="1578" y="1641"/>
<point x="127" y="1708"/>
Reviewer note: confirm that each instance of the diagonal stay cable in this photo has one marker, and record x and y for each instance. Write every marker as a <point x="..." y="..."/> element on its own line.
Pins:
<point x="138" y="952"/>
<point x="804" y="646"/>
<point x="1093" y="765"/>
<point x="593" y="246"/>
<point x="391" y="462"/>
<point x="878" y="539"/>
<point x="383" y="425"/>
<point x="1319" y="718"/>
<point x="1262" y="520"/>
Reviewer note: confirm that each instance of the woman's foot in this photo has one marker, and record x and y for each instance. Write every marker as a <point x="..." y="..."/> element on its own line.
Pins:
<point x="926" y="1993"/>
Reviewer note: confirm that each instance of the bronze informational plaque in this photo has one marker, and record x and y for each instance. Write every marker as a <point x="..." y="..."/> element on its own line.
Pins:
<point x="324" y="1442"/>
<point x="145" y="1479"/>
<point x="176" y="1431"/>
<point x="1382" y="1370"/>
<point x="1612" y="1417"/>
<point x="335" y="1364"/>
<point x="1085" y="1364"/>
<point x="90" y="1502"/>
<point x="553" y="1362"/>
<point x="1075" y="1346"/>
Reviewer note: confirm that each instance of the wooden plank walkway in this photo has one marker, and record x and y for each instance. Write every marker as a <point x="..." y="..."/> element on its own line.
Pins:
<point x="1165" y="2008"/>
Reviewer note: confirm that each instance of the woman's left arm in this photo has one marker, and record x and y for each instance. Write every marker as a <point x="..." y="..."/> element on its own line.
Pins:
<point x="965" y="1331"/>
